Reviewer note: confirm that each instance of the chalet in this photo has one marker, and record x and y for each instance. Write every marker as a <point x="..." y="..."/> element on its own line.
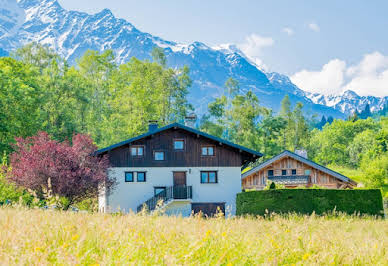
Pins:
<point x="189" y="170"/>
<point x="292" y="170"/>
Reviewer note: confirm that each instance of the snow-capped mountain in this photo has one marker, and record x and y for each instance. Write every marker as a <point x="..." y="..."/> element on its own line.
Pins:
<point x="349" y="101"/>
<point x="71" y="33"/>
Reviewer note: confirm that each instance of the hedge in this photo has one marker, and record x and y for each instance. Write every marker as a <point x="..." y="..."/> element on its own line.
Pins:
<point x="307" y="201"/>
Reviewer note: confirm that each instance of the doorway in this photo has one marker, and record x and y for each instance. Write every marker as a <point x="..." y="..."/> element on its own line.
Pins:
<point x="180" y="189"/>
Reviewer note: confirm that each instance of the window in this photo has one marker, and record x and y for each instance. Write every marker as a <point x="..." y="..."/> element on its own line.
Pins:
<point x="209" y="177"/>
<point x="159" y="155"/>
<point x="284" y="172"/>
<point x="141" y="176"/>
<point x="293" y="171"/>
<point x="207" y="150"/>
<point x="270" y="172"/>
<point x="128" y="176"/>
<point x="307" y="172"/>
<point x="179" y="144"/>
<point x="137" y="151"/>
<point x="159" y="191"/>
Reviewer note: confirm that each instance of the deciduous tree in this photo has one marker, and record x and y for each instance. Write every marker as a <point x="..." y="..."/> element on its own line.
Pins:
<point x="53" y="169"/>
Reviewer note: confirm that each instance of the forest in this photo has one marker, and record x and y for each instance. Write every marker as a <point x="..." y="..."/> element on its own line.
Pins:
<point x="41" y="92"/>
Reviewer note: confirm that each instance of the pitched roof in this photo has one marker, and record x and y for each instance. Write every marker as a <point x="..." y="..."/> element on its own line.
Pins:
<point x="301" y="159"/>
<point x="189" y="129"/>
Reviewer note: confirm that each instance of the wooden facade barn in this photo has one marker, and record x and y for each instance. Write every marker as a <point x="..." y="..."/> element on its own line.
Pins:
<point x="293" y="170"/>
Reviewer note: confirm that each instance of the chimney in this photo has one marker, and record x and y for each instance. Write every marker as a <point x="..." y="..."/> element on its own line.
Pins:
<point x="152" y="125"/>
<point x="301" y="153"/>
<point x="190" y="120"/>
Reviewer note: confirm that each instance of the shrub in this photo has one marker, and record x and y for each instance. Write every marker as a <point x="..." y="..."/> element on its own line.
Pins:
<point x="307" y="201"/>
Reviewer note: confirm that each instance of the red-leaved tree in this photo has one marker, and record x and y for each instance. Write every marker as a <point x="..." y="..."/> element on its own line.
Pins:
<point x="61" y="169"/>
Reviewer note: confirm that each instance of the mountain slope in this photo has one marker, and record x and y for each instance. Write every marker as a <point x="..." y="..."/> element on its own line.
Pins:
<point x="71" y="33"/>
<point x="349" y="101"/>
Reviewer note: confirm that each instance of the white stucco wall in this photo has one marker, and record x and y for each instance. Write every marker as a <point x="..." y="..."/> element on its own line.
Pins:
<point x="179" y="208"/>
<point x="127" y="196"/>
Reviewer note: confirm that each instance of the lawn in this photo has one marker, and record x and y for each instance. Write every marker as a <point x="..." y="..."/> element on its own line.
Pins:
<point x="53" y="237"/>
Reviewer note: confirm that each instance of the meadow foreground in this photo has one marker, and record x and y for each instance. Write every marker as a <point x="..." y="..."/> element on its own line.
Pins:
<point x="53" y="237"/>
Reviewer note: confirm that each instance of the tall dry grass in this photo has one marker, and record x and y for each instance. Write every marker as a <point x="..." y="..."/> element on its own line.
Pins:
<point x="53" y="237"/>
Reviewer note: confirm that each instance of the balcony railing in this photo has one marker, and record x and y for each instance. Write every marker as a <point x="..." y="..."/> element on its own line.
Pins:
<point x="290" y="179"/>
<point x="175" y="192"/>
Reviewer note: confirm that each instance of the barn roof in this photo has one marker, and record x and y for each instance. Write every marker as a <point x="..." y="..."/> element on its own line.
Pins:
<point x="301" y="159"/>
<point x="186" y="128"/>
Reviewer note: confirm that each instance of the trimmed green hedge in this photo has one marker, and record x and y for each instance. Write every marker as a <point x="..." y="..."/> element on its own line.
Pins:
<point x="305" y="201"/>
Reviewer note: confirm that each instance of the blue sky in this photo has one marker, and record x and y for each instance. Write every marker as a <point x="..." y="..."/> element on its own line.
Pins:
<point x="328" y="45"/>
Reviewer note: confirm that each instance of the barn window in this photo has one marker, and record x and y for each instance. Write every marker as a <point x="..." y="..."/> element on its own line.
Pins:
<point x="207" y="150"/>
<point x="293" y="171"/>
<point x="209" y="177"/>
<point x="137" y="151"/>
<point x="159" y="155"/>
<point x="179" y="144"/>
<point x="141" y="176"/>
<point x="128" y="176"/>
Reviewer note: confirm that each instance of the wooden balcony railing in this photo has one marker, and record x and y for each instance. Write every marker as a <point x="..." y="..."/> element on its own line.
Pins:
<point x="174" y="192"/>
<point x="290" y="179"/>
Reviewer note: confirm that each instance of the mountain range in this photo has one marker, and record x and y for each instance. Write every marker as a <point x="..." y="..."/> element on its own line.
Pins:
<point x="71" y="33"/>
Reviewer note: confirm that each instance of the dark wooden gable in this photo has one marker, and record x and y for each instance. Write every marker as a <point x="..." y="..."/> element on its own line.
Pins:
<point x="189" y="157"/>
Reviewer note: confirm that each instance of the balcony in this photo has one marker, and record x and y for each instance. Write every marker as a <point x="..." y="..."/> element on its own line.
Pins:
<point x="290" y="179"/>
<point x="167" y="195"/>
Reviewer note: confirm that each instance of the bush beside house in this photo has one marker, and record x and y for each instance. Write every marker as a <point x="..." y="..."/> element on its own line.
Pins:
<point x="307" y="201"/>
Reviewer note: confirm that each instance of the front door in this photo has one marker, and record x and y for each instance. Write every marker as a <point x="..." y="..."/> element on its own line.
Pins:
<point x="180" y="189"/>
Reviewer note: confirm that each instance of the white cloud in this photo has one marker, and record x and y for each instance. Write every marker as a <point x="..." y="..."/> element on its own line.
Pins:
<point x="289" y="31"/>
<point x="253" y="47"/>
<point x="314" y="26"/>
<point x="327" y="81"/>
<point x="368" y="77"/>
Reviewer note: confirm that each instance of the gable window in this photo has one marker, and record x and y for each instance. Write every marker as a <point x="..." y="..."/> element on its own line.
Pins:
<point x="137" y="151"/>
<point x="284" y="172"/>
<point x="128" y="176"/>
<point x="207" y="151"/>
<point x="159" y="155"/>
<point x="293" y="171"/>
<point x="270" y="172"/>
<point x="179" y="144"/>
<point x="141" y="176"/>
<point x="209" y="177"/>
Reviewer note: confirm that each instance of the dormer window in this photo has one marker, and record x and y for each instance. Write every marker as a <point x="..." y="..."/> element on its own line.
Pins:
<point x="207" y="151"/>
<point x="137" y="151"/>
<point x="179" y="144"/>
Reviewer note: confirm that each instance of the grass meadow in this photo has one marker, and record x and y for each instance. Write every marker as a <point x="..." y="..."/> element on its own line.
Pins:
<point x="36" y="237"/>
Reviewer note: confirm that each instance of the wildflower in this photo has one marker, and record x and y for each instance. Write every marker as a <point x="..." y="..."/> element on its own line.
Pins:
<point x="37" y="249"/>
<point x="224" y="234"/>
<point x="75" y="237"/>
<point x="208" y="233"/>
<point x="306" y="256"/>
